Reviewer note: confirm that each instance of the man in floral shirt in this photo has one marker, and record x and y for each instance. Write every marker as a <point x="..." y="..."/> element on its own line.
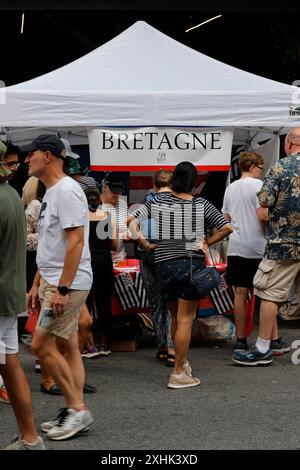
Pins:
<point x="280" y="267"/>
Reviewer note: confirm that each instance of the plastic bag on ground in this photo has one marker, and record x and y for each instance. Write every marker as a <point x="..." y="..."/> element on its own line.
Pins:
<point x="213" y="328"/>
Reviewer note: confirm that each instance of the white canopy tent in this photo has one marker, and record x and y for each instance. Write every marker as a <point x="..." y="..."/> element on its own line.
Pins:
<point x="144" y="78"/>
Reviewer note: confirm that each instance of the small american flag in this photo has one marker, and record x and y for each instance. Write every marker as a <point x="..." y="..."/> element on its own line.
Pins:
<point x="140" y="290"/>
<point x="126" y="291"/>
<point x="223" y="297"/>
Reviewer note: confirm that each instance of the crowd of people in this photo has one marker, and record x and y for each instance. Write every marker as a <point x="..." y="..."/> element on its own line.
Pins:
<point x="58" y="243"/>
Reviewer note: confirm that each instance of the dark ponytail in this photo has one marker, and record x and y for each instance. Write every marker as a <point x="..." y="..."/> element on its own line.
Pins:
<point x="93" y="198"/>
<point x="40" y="192"/>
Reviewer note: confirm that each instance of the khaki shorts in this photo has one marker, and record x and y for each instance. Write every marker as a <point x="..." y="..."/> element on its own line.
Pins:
<point x="63" y="325"/>
<point x="274" y="278"/>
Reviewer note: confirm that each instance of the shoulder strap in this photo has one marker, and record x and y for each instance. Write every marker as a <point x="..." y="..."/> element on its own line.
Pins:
<point x="194" y="210"/>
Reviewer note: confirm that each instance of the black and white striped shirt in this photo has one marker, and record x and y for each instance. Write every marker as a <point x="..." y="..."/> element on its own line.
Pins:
<point x="87" y="182"/>
<point x="179" y="224"/>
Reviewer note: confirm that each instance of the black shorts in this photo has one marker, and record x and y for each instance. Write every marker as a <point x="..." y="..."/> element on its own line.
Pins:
<point x="241" y="271"/>
<point x="173" y="278"/>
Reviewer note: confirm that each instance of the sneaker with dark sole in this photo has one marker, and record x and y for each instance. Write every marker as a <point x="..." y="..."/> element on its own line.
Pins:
<point x="279" y="347"/>
<point x="240" y="346"/>
<point x="252" y="357"/>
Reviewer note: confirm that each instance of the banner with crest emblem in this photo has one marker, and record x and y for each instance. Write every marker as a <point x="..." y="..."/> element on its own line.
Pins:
<point x="152" y="148"/>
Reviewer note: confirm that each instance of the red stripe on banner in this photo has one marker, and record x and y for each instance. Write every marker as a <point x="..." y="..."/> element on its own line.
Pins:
<point x="155" y="168"/>
<point x="146" y="182"/>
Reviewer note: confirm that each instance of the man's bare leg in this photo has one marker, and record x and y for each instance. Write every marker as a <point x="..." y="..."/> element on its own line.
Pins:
<point x="239" y="310"/>
<point x="20" y="396"/>
<point x="44" y="346"/>
<point x="74" y="359"/>
<point x="267" y="319"/>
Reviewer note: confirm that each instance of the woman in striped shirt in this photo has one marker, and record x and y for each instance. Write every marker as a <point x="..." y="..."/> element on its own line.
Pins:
<point x="181" y="226"/>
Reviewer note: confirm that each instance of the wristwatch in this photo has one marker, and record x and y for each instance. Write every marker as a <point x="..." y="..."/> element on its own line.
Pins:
<point x="63" y="290"/>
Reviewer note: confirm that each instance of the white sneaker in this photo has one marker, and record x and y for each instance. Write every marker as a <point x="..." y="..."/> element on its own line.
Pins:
<point x="68" y="423"/>
<point x="47" y="425"/>
<point x="20" y="444"/>
<point x="182" y="381"/>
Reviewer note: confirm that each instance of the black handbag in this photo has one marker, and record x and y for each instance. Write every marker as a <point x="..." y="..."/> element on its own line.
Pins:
<point x="205" y="280"/>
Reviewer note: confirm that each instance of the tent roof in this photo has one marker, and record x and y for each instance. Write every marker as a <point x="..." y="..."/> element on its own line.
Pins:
<point x="143" y="77"/>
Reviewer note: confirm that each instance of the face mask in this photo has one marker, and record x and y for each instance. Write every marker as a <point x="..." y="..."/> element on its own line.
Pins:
<point x="4" y="172"/>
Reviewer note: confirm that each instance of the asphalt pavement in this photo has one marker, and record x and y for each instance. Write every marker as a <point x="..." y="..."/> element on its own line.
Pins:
<point x="233" y="408"/>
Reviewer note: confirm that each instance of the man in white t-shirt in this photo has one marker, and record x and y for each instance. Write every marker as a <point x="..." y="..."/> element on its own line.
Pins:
<point x="247" y="242"/>
<point x="64" y="278"/>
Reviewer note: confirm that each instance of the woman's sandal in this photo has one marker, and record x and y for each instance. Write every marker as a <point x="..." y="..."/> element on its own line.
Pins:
<point x="161" y="355"/>
<point x="170" y="360"/>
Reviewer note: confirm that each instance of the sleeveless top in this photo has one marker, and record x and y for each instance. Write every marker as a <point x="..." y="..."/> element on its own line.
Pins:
<point x="100" y="235"/>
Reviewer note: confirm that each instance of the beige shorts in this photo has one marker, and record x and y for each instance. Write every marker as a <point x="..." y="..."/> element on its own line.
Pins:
<point x="274" y="278"/>
<point x="63" y="325"/>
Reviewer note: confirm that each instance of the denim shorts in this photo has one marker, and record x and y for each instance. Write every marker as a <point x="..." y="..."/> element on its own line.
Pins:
<point x="173" y="278"/>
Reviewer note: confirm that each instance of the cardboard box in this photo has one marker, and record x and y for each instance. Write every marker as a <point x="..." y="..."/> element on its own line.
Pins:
<point x="126" y="345"/>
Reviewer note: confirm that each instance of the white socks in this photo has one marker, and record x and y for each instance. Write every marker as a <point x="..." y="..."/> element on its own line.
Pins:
<point x="263" y="345"/>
